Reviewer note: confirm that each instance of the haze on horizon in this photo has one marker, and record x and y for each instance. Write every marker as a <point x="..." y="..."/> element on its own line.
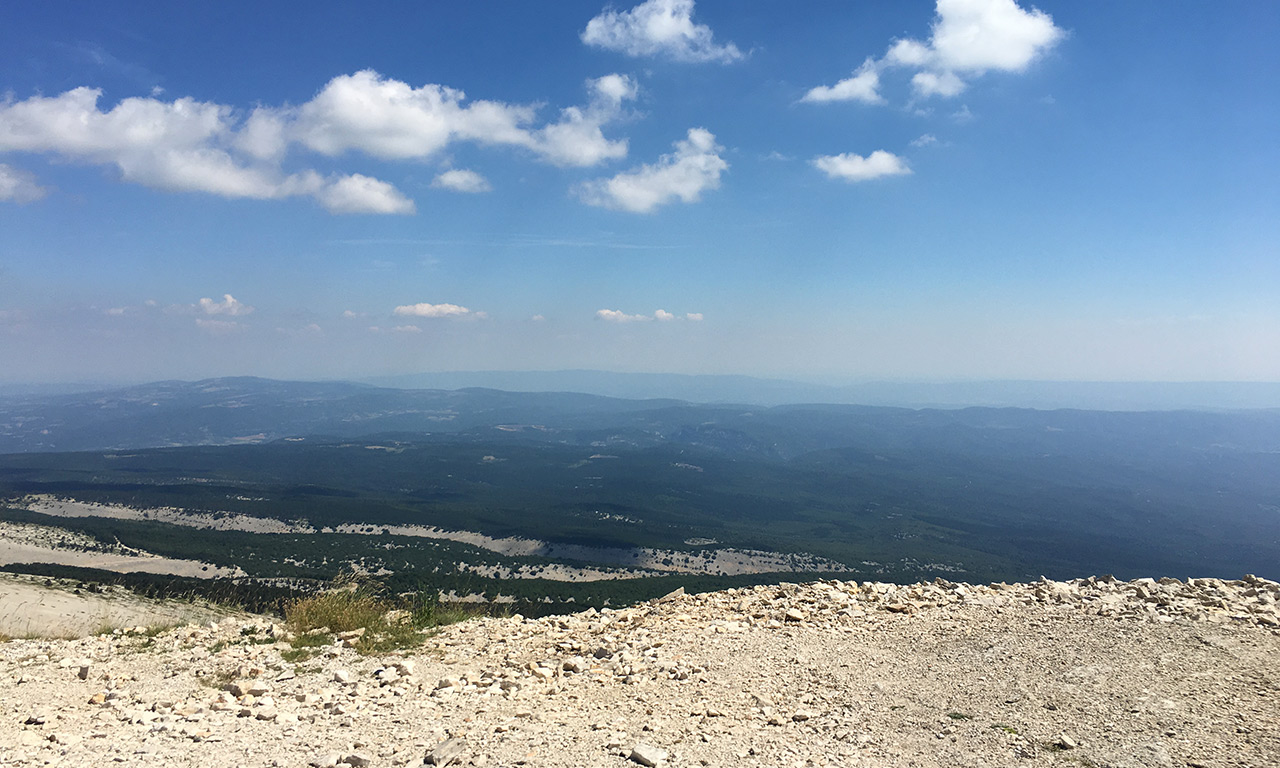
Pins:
<point x="966" y="190"/>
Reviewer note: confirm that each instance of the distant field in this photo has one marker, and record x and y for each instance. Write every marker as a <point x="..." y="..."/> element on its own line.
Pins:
<point x="569" y="496"/>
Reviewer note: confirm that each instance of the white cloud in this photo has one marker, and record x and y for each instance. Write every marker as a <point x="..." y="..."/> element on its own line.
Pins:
<point x="980" y="35"/>
<point x="660" y="315"/>
<point x="404" y="329"/>
<point x="538" y="318"/>
<point x="308" y="330"/>
<point x="694" y="167"/>
<point x="937" y="84"/>
<point x="618" y="316"/>
<point x="462" y="180"/>
<point x="228" y="306"/>
<point x="658" y="28"/>
<point x="924" y="140"/>
<point x="183" y="145"/>
<point x="973" y="37"/>
<point x="963" y="114"/>
<point x="969" y="38"/>
<point x="219" y="327"/>
<point x="577" y="139"/>
<point x="350" y="315"/>
<point x="392" y="120"/>
<point x="851" y="167"/>
<point x="186" y="145"/>
<point x="431" y="310"/>
<point x="862" y="86"/>
<point x="907" y="53"/>
<point x="362" y="194"/>
<point x="17" y="186"/>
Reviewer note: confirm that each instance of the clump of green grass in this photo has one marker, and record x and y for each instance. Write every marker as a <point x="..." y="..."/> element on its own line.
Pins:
<point x="339" y="610"/>
<point x="959" y="716"/>
<point x="1006" y="728"/>
<point x="390" y="623"/>
<point x="217" y="680"/>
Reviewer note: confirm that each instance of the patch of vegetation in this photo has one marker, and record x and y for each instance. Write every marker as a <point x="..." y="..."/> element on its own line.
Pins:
<point x="217" y="680"/>
<point x="1009" y="729"/>
<point x="297" y="655"/>
<point x="386" y="623"/>
<point x="959" y="716"/>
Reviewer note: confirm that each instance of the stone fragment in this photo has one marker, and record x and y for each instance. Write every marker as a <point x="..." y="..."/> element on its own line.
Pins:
<point x="647" y="754"/>
<point x="446" y="752"/>
<point x="405" y="667"/>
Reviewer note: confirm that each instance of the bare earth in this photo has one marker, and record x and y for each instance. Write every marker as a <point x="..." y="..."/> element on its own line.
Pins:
<point x="28" y="607"/>
<point x="24" y="543"/>
<point x="1086" y="673"/>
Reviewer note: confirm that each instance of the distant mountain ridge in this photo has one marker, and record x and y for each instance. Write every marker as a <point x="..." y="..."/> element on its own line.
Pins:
<point x="713" y="388"/>
<point x="253" y="410"/>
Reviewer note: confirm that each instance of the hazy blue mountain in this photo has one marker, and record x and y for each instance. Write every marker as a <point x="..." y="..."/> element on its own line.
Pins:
<point x="1108" y="396"/>
<point x="251" y="410"/>
<point x="244" y="410"/>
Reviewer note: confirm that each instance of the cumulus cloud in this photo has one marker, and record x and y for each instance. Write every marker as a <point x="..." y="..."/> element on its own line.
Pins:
<point x="685" y="174"/>
<point x="184" y="145"/>
<point x="363" y="194"/>
<point x="618" y="316"/>
<point x="431" y="310"/>
<point x="577" y="139"/>
<point x="393" y="120"/>
<point x="17" y="186"/>
<point x="187" y="145"/>
<point x="969" y="38"/>
<point x="405" y="329"/>
<point x="937" y="84"/>
<point x="924" y="140"/>
<point x="851" y="167"/>
<point x="461" y="180"/>
<point x="219" y="327"/>
<point x="658" y="28"/>
<point x="660" y="315"/>
<point x="862" y="86"/>
<point x="228" y="306"/>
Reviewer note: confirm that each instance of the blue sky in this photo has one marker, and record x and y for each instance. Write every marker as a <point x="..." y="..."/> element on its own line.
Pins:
<point x="975" y="189"/>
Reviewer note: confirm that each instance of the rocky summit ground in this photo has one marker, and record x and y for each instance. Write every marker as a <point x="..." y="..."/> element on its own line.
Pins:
<point x="1086" y="673"/>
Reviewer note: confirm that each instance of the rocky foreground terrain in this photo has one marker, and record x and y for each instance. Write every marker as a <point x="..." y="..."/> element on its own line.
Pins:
<point x="1087" y="673"/>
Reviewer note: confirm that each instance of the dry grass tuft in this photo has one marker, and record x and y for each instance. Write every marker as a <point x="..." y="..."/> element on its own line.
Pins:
<point x="389" y="624"/>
